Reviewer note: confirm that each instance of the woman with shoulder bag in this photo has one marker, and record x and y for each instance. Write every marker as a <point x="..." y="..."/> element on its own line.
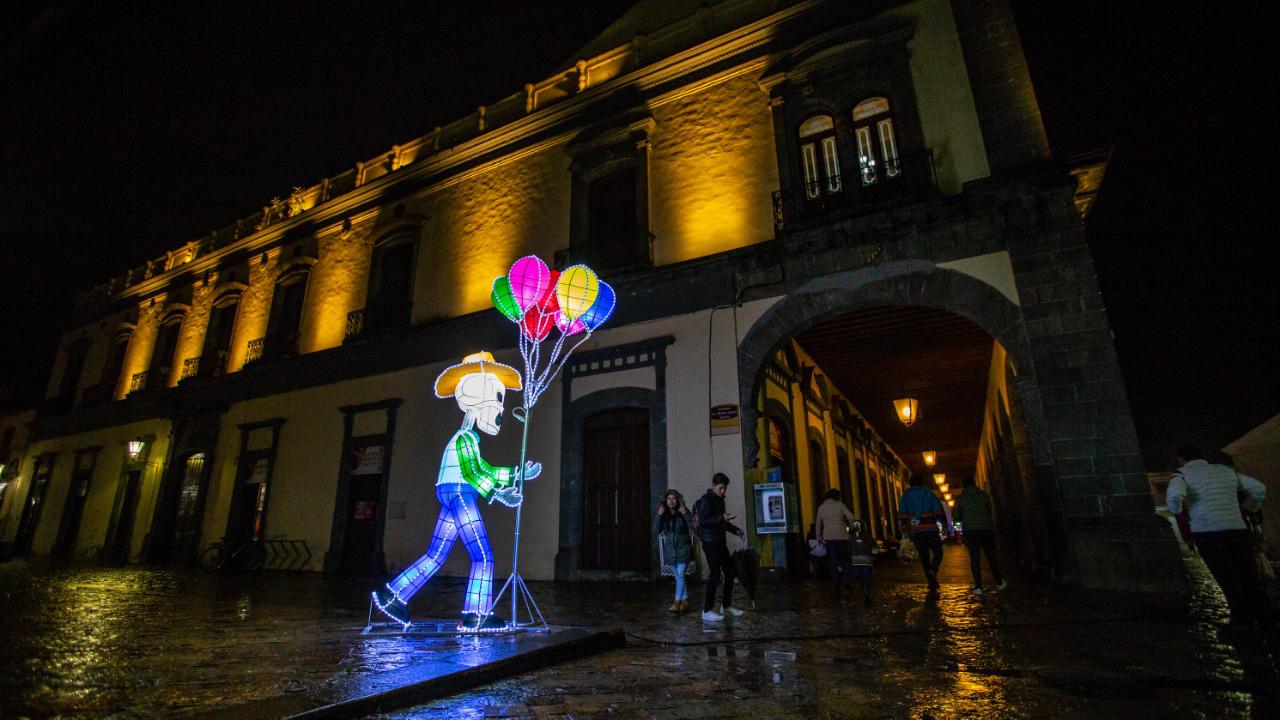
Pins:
<point x="672" y="525"/>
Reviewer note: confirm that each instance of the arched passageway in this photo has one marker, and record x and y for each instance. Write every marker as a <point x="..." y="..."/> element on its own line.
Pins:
<point x="1001" y="432"/>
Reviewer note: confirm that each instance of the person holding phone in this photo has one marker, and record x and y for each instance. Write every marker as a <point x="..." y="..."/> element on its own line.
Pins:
<point x="713" y="522"/>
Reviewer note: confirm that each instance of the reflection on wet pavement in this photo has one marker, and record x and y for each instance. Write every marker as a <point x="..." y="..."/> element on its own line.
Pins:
<point x="96" y="642"/>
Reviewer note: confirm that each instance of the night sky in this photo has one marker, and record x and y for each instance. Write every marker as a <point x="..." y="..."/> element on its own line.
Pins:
<point x="129" y="130"/>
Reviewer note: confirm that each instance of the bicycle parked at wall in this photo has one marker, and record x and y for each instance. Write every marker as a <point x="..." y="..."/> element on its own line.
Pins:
<point x="226" y="554"/>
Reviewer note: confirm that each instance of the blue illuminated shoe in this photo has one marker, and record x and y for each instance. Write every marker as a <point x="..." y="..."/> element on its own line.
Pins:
<point x="476" y="623"/>
<point x="391" y="606"/>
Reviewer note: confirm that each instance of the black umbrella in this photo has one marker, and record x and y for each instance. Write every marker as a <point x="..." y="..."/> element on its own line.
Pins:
<point x="747" y="562"/>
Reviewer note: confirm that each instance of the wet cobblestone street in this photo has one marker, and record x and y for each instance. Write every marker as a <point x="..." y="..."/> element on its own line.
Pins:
<point x="97" y="642"/>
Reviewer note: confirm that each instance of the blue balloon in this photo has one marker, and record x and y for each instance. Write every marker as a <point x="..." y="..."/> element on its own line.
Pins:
<point x="601" y="309"/>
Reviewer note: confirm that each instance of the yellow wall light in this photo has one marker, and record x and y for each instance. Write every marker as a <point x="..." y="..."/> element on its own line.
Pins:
<point x="908" y="410"/>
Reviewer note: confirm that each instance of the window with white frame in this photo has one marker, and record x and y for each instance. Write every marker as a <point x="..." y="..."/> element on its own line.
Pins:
<point x="818" y="157"/>
<point x="876" y="141"/>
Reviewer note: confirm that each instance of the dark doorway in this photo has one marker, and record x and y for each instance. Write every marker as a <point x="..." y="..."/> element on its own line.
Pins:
<point x="189" y="511"/>
<point x="251" y="513"/>
<point x="122" y="538"/>
<point x="616" y="491"/>
<point x="34" y="506"/>
<point x="73" y="508"/>
<point x="360" y="538"/>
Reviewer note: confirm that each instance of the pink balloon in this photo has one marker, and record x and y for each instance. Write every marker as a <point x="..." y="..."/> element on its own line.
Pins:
<point x="530" y="280"/>
<point x="569" y="327"/>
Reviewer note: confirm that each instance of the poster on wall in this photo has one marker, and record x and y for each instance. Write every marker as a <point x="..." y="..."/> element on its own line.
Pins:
<point x="366" y="460"/>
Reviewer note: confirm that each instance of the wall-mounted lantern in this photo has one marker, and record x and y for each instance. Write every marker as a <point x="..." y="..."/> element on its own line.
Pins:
<point x="137" y="449"/>
<point x="939" y="478"/>
<point x="930" y="458"/>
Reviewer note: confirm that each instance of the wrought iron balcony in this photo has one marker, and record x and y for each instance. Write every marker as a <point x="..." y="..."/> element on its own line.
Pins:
<point x="190" y="368"/>
<point x="209" y="365"/>
<point x="854" y="193"/>
<point x="254" y="352"/>
<point x="138" y="382"/>
<point x="376" y="319"/>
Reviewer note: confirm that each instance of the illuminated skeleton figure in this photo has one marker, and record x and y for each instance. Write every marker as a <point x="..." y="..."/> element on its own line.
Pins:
<point x="478" y="384"/>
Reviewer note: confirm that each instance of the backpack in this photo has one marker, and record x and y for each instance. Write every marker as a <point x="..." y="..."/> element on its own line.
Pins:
<point x="697" y="516"/>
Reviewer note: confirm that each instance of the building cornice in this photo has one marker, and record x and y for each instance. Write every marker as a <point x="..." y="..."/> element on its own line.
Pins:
<point x="545" y="127"/>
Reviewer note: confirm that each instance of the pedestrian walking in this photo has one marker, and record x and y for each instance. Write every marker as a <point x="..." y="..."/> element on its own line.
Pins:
<point x="918" y="513"/>
<point x="1211" y="495"/>
<point x="671" y="525"/>
<point x="974" y="512"/>
<point x="713" y="522"/>
<point x="832" y="530"/>
<point x="861" y="555"/>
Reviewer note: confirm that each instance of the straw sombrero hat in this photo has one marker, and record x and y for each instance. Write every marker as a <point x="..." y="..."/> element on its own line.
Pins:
<point x="481" y="362"/>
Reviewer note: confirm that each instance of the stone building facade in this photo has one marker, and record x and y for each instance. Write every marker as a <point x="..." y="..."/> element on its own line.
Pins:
<point x="740" y="171"/>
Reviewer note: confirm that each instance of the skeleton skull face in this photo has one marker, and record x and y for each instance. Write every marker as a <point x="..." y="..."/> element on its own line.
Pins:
<point x="481" y="395"/>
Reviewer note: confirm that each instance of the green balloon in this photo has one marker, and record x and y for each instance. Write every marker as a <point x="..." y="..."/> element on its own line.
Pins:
<point x="504" y="300"/>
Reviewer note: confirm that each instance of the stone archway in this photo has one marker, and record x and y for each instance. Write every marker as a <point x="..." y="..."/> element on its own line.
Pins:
<point x="913" y="283"/>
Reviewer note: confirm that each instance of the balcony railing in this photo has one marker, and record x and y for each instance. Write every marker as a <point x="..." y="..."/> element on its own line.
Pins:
<point x="190" y="368"/>
<point x="254" y="352"/>
<point x="854" y="193"/>
<point x="376" y="319"/>
<point x="138" y="382"/>
<point x="209" y="365"/>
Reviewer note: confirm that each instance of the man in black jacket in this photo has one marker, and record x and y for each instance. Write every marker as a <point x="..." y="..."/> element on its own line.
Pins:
<point x="713" y="523"/>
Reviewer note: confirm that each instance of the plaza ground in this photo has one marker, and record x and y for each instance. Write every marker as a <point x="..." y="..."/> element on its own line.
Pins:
<point x="134" y="642"/>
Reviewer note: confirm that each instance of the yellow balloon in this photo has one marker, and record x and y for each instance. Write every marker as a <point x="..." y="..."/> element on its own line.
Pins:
<point x="576" y="290"/>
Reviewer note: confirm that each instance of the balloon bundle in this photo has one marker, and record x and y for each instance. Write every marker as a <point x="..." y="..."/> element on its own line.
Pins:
<point x="573" y="302"/>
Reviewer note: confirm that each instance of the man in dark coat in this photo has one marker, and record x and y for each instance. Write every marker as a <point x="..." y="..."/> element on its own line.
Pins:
<point x="713" y="523"/>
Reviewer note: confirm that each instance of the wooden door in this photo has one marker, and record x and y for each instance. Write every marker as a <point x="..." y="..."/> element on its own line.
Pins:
<point x="616" y="488"/>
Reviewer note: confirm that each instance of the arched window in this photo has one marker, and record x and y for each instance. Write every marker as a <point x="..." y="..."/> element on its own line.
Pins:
<point x="164" y="353"/>
<point x="284" y="327"/>
<point x="877" y="144"/>
<point x="77" y="351"/>
<point x="818" y="157"/>
<point x="217" y="337"/>
<point x="110" y="380"/>
<point x="390" y="296"/>
<point x="612" y="220"/>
